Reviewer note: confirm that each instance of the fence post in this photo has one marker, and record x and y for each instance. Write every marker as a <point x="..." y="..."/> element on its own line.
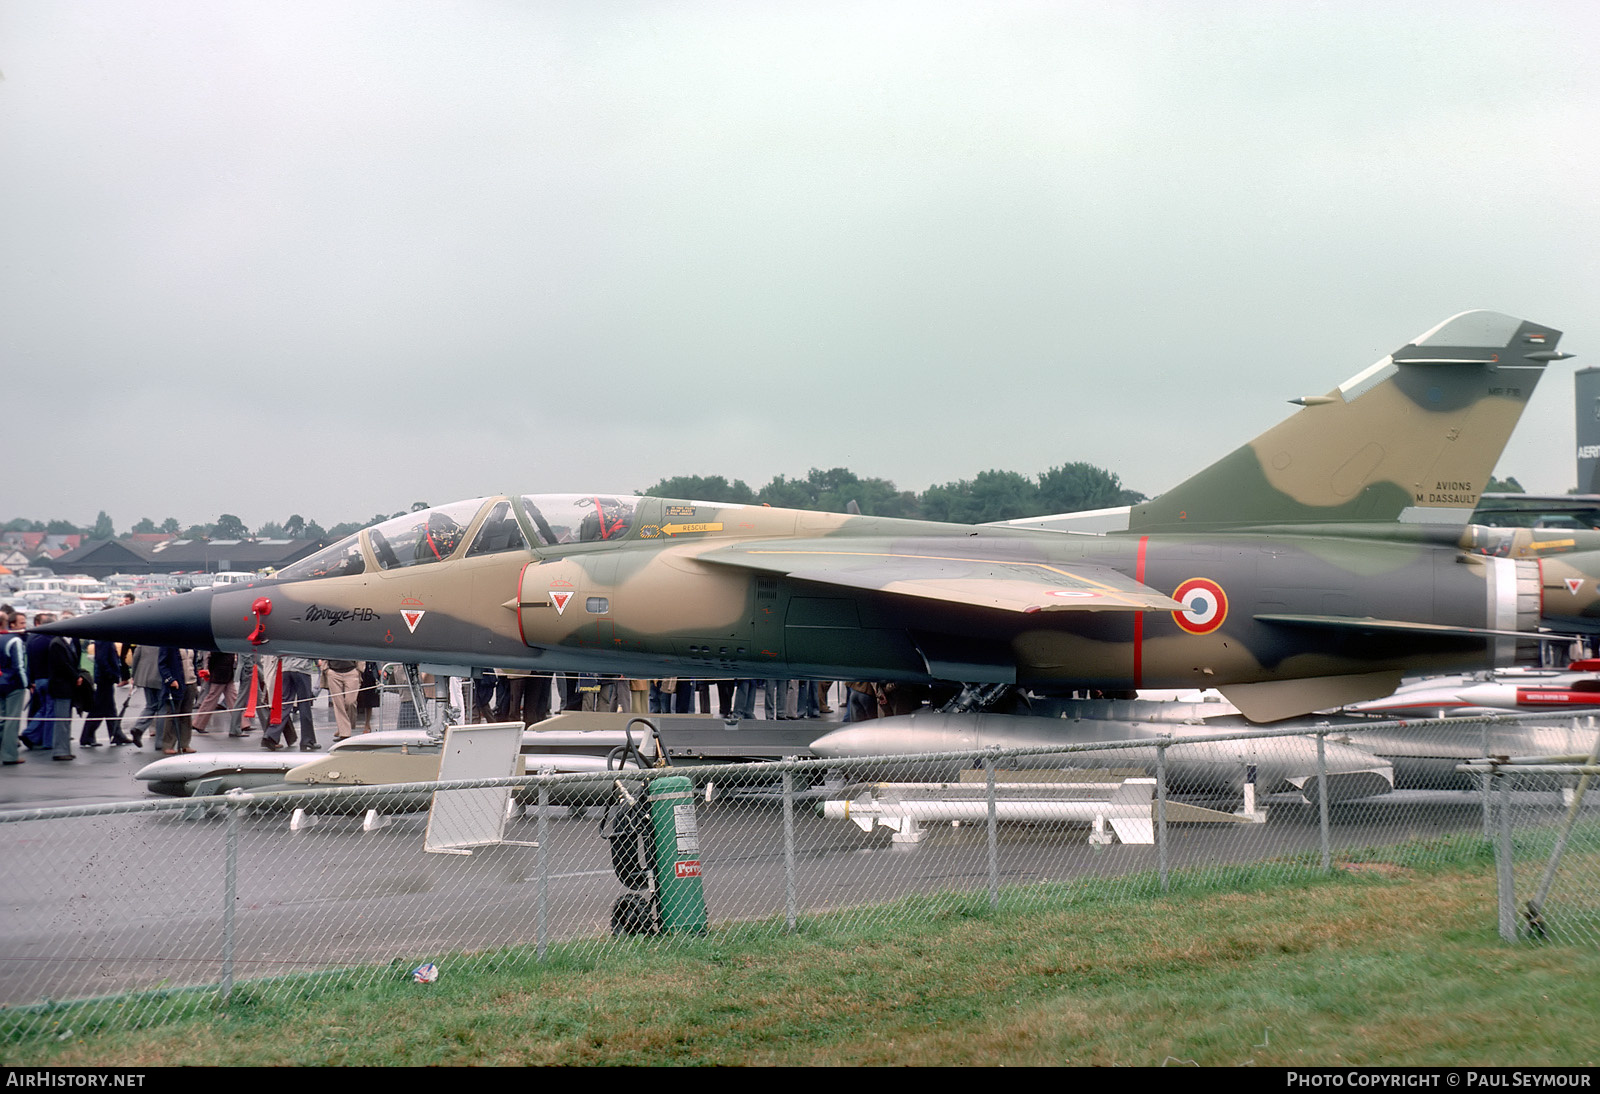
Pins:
<point x="994" y="839"/>
<point x="542" y="838"/>
<point x="1484" y="780"/>
<point x="1505" y="883"/>
<point x="1161" y="811"/>
<point x="790" y="916"/>
<point x="230" y="889"/>
<point x="1322" y="801"/>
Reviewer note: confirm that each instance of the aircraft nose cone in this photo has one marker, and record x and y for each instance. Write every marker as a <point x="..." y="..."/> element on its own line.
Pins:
<point x="183" y="620"/>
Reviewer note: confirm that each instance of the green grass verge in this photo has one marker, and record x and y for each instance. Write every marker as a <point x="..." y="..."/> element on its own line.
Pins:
<point x="1391" y="960"/>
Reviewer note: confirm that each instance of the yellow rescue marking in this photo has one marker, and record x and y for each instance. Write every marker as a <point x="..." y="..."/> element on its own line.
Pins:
<point x="1551" y="544"/>
<point x="679" y="529"/>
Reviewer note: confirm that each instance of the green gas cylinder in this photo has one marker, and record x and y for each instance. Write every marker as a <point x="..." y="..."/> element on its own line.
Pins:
<point x="683" y="902"/>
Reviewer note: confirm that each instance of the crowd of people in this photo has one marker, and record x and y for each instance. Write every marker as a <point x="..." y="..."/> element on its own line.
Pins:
<point x="501" y="695"/>
<point x="46" y="680"/>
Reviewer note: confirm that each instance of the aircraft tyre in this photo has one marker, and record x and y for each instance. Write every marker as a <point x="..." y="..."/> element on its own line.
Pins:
<point x="634" y="913"/>
<point x="632" y="845"/>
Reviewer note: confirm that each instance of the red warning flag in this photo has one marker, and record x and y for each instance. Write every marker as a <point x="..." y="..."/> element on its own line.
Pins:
<point x="250" y="706"/>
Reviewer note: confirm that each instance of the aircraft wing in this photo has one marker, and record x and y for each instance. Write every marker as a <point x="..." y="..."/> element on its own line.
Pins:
<point x="1006" y="584"/>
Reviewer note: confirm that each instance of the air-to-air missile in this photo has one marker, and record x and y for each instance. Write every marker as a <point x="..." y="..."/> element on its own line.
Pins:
<point x="1310" y="568"/>
<point x="1362" y="756"/>
<point x="391" y="756"/>
<point x="1208" y="769"/>
<point x="1124" y="807"/>
<point x="1576" y="690"/>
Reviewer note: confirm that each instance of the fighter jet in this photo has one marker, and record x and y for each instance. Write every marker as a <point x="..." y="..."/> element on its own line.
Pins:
<point x="1312" y="567"/>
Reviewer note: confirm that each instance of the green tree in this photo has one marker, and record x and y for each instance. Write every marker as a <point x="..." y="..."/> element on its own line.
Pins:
<point x="271" y="530"/>
<point x="881" y="498"/>
<point x="145" y="526"/>
<point x="786" y="493"/>
<point x="170" y="526"/>
<point x="991" y="495"/>
<point x="1075" y="486"/>
<point x="314" y="531"/>
<point x="1507" y="485"/>
<point x="295" y="527"/>
<point x="62" y="528"/>
<point x="417" y="507"/>
<point x="229" y="526"/>
<point x="703" y="488"/>
<point x="103" y="528"/>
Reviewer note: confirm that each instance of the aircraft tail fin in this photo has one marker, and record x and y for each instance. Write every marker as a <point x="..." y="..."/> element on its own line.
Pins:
<point x="1413" y="438"/>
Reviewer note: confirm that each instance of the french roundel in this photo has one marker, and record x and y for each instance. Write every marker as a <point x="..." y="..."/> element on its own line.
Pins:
<point x="1205" y="605"/>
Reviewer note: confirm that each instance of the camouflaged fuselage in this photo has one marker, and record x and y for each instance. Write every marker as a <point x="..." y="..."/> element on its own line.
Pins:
<point x="658" y="602"/>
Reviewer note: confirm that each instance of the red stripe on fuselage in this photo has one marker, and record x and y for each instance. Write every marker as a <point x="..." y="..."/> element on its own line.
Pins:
<point x="1138" y="620"/>
<point x="522" y="634"/>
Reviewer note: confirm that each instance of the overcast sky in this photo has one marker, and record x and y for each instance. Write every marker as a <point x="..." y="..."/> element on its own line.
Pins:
<point x="333" y="258"/>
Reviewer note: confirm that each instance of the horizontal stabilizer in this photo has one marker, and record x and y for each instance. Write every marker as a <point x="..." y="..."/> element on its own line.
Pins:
<point x="1014" y="585"/>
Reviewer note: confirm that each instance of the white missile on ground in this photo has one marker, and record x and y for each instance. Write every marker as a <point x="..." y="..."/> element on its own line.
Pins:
<point x="1205" y="768"/>
<point x="1126" y="809"/>
<point x="202" y="773"/>
<point x="371" y="759"/>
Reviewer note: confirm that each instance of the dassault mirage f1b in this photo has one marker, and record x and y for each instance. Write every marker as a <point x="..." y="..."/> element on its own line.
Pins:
<point x="1310" y="568"/>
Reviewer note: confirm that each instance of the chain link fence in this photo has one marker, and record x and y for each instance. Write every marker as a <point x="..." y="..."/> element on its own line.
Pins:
<point x="131" y="912"/>
<point x="1545" y="825"/>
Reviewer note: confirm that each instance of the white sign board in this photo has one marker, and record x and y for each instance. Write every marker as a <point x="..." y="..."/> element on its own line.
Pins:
<point x="462" y="819"/>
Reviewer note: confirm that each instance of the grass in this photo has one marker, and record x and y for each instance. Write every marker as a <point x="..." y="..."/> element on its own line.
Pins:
<point x="1393" y="959"/>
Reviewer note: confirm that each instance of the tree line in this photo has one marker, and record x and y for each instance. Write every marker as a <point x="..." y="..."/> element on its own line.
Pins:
<point x="226" y="526"/>
<point x="988" y="496"/>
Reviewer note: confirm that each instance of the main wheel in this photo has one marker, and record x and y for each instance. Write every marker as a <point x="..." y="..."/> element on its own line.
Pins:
<point x="633" y="913"/>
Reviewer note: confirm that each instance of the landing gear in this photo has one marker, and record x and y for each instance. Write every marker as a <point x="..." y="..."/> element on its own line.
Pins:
<point x="977" y="697"/>
<point x="448" y="715"/>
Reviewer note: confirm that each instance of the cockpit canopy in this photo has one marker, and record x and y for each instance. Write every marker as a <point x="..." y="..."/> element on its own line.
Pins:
<point x="340" y="560"/>
<point x="579" y="518"/>
<point x="433" y="535"/>
<point x="428" y="535"/>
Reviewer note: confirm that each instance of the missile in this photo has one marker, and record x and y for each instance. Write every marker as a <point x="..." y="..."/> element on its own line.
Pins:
<point x="1217" y="768"/>
<point x="1529" y="695"/>
<point x="1127" y="809"/>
